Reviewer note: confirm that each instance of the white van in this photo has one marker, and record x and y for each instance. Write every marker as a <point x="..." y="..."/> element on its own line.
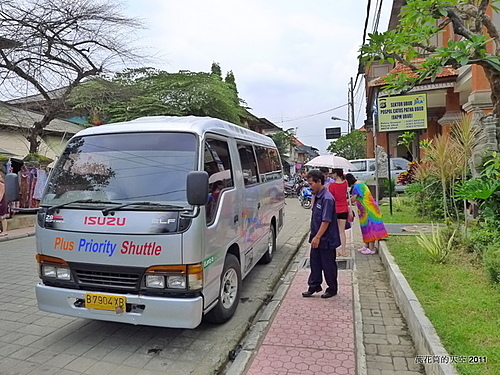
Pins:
<point x="365" y="170"/>
<point x="156" y="221"/>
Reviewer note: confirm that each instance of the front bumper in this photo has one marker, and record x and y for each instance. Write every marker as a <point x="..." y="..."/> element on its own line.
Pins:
<point x="158" y="311"/>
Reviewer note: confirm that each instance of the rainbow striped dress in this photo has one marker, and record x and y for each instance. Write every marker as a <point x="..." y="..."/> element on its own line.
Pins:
<point x="370" y="218"/>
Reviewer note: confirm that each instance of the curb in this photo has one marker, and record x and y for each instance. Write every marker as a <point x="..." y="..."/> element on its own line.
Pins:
<point x="361" y="368"/>
<point x="11" y="237"/>
<point x="261" y="322"/>
<point x="422" y="331"/>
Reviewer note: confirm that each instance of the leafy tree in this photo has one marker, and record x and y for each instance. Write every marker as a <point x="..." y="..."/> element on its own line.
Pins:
<point x="59" y="43"/>
<point x="350" y="146"/>
<point x="216" y="70"/>
<point x="420" y="21"/>
<point x="147" y="91"/>
<point x="285" y="140"/>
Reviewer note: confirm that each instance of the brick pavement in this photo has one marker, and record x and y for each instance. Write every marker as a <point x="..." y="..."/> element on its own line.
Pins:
<point x="315" y="336"/>
<point x="310" y="336"/>
<point x="35" y="342"/>
<point x="388" y="345"/>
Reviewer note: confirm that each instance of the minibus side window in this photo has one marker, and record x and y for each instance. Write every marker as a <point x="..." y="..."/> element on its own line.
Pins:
<point x="268" y="161"/>
<point x="220" y="176"/>
<point x="248" y="164"/>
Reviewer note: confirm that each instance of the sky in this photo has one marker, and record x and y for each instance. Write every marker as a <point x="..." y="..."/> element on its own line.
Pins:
<point x="292" y="59"/>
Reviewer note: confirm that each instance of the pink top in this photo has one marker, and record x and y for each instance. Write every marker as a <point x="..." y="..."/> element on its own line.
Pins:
<point x="339" y="192"/>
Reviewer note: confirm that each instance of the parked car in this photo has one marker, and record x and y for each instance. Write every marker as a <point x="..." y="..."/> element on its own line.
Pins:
<point x="366" y="170"/>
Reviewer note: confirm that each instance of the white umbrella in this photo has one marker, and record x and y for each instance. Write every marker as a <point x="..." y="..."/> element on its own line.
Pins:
<point x="331" y="161"/>
<point x="220" y="176"/>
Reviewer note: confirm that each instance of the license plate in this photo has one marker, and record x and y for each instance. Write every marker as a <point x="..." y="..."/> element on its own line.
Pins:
<point x="105" y="302"/>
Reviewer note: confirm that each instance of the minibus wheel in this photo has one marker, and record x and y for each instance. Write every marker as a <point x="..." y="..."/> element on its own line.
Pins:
<point x="271" y="246"/>
<point x="229" y="292"/>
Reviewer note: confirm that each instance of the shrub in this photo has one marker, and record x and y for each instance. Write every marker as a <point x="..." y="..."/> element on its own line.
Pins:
<point x="438" y="244"/>
<point x="491" y="259"/>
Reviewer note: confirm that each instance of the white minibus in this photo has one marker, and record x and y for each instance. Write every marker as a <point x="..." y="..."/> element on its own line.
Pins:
<point x="156" y="221"/>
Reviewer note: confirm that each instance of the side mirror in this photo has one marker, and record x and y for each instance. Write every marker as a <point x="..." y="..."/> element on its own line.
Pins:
<point x="12" y="187"/>
<point x="197" y="188"/>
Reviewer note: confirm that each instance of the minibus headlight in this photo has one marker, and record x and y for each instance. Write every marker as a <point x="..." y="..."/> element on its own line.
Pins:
<point x="155" y="281"/>
<point x="176" y="281"/>
<point x="48" y="270"/>
<point x="63" y="273"/>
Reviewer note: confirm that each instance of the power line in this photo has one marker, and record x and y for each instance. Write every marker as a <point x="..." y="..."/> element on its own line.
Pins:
<point x="368" y="8"/>
<point x="315" y="114"/>
<point x="377" y="17"/>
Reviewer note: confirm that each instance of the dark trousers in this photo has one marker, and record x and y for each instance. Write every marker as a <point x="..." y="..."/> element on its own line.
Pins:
<point x="323" y="260"/>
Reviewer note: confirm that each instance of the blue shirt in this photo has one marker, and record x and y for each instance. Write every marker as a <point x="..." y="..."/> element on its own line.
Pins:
<point x="324" y="210"/>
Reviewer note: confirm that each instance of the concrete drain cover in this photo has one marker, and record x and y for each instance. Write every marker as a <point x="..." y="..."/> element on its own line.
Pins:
<point x="342" y="263"/>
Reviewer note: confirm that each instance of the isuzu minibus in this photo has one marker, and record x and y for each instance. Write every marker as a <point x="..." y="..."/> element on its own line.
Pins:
<point x="156" y="221"/>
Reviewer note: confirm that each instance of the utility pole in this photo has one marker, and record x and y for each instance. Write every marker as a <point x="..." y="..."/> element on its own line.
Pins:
<point x="351" y="100"/>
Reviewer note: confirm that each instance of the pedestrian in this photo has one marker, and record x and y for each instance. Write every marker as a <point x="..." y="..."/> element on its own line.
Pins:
<point x="4" y="207"/>
<point x="370" y="217"/>
<point x="326" y="173"/>
<point x="324" y="238"/>
<point x="339" y="189"/>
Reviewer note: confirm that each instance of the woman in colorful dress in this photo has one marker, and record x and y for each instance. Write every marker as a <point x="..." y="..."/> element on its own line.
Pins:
<point x="370" y="218"/>
<point x="338" y="188"/>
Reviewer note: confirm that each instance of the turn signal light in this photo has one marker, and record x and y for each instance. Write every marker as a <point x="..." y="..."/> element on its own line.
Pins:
<point x="46" y="259"/>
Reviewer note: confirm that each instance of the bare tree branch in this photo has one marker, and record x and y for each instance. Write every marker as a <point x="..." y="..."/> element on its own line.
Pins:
<point x="458" y="25"/>
<point x="492" y="31"/>
<point x="429" y="49"/>
<point x="61" y="43"/>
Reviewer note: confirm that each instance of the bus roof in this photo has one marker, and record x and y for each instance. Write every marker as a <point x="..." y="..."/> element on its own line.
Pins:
<point x="198" y="125"/>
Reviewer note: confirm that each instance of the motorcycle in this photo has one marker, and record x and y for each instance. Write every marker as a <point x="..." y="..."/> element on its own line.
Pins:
<point x="305" y="196"/>
<point x="290" y="189"/>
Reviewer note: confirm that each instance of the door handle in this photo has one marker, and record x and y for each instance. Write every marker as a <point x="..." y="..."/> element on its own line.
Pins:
<point x="236" y="219"/>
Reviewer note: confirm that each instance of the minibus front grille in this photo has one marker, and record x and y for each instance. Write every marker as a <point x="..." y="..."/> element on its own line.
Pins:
<point x="108" y="279"/>
<point x="99" y="277"/>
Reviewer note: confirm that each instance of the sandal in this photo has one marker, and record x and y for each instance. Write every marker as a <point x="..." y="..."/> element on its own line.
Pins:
<point x="361" y="249"/>
<point x="367" y="252"/>
<point x="3" y="234"/>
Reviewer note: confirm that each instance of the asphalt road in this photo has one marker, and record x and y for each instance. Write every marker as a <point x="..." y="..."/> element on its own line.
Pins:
<point x="35" y="342"/>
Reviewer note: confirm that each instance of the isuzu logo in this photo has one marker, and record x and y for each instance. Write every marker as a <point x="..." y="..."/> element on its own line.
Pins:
<point x="109" y="221"/>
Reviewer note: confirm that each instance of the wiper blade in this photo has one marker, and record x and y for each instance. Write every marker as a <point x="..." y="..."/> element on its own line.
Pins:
<point x="51" y="208"/>
<point x="108" y="210"/>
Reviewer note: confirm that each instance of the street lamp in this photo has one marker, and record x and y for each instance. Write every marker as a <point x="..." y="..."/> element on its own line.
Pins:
<point x="334" y="118"/>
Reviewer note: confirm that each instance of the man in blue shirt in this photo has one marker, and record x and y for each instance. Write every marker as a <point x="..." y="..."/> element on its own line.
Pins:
<point x="324" y="238"/>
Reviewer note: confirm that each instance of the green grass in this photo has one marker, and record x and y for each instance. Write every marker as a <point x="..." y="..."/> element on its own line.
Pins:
<point x="402" y="212"/>
<point x="457" y="297"/>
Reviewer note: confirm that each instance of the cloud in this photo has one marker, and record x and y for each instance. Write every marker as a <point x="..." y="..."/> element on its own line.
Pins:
<point x="290" y="57"/>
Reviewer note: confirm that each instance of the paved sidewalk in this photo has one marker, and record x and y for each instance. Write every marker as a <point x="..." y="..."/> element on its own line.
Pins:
<point x="310" y="335"/>
<point x="316" y="336"/>
<point x="18" y="233"/>
<point x="388" y="345"/>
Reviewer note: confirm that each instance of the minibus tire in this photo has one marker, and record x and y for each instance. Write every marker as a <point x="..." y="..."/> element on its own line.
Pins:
<point x="271" y="247"/>
<point x="220" y="313"/>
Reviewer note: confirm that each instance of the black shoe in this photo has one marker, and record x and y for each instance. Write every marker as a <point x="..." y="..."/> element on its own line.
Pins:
<point x="328" y="294"/>
<point x="310" y="292"/>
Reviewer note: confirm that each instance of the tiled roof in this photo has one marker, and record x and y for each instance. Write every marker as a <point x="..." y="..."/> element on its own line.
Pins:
<point x="399" y="68"/>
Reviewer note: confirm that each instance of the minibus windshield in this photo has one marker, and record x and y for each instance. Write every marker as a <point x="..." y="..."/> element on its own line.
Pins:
<point x="124" y="167"/>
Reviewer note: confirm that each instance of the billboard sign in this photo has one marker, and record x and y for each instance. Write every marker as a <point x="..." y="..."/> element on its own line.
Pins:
<point x="402" y="113"/>
<point x="333" y="133"/>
